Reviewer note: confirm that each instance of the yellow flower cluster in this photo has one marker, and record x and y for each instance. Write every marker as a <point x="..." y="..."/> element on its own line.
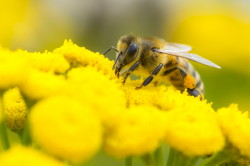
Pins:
<point x="20" y="155"/>
<point x="15" y="109"/>
<point x="80" y="107"/>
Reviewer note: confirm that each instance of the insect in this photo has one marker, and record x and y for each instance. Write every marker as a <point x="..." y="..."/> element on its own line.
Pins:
<point x="158" y="60"/>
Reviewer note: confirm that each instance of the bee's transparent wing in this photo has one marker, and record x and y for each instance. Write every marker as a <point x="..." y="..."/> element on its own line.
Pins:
<point x="175" y="47"/>
<point x="193" y="57"/>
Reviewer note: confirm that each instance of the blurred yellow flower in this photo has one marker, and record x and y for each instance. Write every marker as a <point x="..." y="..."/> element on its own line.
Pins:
<point x="193" y="132"/>
<point x="66" y="128"/>
<point x="137" y="131"/>
<point x="15" y="110"/>
<point x="13" y="69"/>
<point x="235" y="126"/>
<point x="79" y="55"/>
<point x="40" y="84"/>
<point x="219" y="34"/>
<point x="11" y="12"/>
<point x="27" y="156"/>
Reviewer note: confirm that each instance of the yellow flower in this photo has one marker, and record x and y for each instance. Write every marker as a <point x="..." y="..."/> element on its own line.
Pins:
<point x="27" y="156"/>
<point x="137" y="131"/>
<point x="13" y="69"/>
<point x="66" y="128"/>
<point x="42" y="84"/>
<point x="194" y="132"/>
<point x="80" y="55"/>
<point x="97" y="91"/>
<point x="235" y="126"/>
<point x="15" y="110"/>
<point x="48" y="61"/>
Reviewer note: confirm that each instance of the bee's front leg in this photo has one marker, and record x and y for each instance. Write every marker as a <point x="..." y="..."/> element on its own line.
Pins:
<point x="131" y="69"/>
<point x="151" y="77"/>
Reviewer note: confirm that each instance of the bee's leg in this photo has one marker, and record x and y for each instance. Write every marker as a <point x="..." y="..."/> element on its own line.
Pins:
<point x="194" y="92"/>
<point x="112" y="47"/>
<point x="131" y="69"/>
<point x="189" y="83"/>
<point x="151" y="77"/>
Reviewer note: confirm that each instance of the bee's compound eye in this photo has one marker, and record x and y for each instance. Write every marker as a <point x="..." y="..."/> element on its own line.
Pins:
<point x="132" y="49"/>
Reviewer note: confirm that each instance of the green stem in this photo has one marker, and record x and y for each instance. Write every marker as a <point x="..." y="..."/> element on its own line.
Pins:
<point x="158" y="154"/>
<point x="171" y="161"/>
<point x="149" y="159"/>
<point x="4" y="136"/>
<point x="128" y="161"/>
<point x="194" y="161"/>
<point x="181" y="159"/>
<point x="218" y="158"/>
<point x="25" y="137"/>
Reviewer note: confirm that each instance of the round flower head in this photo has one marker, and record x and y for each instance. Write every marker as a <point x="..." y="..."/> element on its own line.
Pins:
<point x="138" y="131"/>
<point x="42" y="84"/>
<point x="235" y="126"/>
<point x="66" y="128"/>
<point x="95" y="90"/>
<point x="79" y="55"/>
<point x="13" y="69"/>
<point x="20" y="155"/>
<point x="15" y="109"/>
<point x="193" y="132"/>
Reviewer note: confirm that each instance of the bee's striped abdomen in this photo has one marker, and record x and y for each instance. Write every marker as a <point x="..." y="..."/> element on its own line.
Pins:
<point x="175" y="77"/>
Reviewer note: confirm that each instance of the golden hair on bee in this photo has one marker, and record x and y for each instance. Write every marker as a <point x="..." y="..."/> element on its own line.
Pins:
<point x="156" y="59"/>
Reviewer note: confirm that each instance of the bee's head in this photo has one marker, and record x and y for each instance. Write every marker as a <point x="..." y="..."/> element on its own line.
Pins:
<point x="128" y="50"/>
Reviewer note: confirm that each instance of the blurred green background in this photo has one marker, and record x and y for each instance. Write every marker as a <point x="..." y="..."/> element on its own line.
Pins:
<point x="218" y="30"/>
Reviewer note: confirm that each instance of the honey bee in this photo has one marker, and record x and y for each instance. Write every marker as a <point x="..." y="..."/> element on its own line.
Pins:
<point x="154" y="58"/>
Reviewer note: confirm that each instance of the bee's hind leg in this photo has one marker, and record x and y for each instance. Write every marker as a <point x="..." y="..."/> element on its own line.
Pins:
<point x="189" y="83"/>
<point x="151" y="77"/>
<point x="194" y="92"/>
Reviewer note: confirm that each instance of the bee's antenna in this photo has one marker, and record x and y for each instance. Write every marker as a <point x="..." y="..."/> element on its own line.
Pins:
<point x="112" y="47"/>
